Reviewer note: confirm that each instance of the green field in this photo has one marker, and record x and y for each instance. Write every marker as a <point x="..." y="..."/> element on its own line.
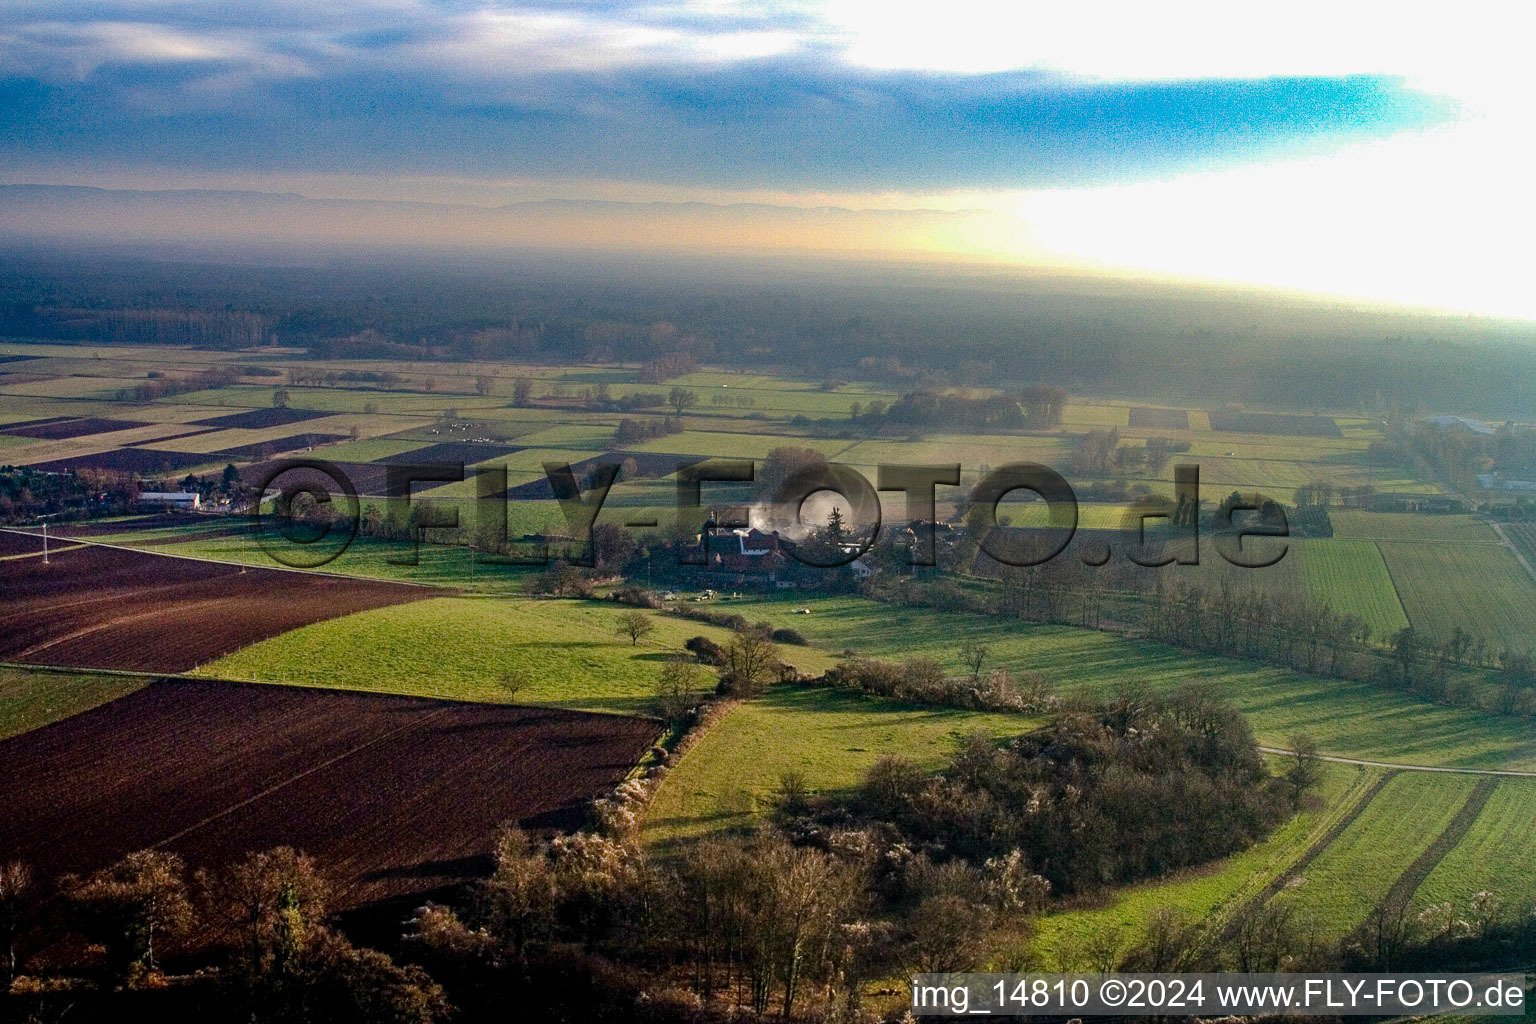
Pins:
<point x="1351" y="577"/>
<point x="1403" y="526"/>
<point x="1212" y="892"/>
<point x="459" y="647"/>
<point x="1482" y="588"/>
<point x="1352" y="875"/>
<point x="1495" y="856"/>
<point x="31" y="699"/>
<point x="367" y="451"/>
<point x="728" y="778"/>
<point x="1347" y="718"/>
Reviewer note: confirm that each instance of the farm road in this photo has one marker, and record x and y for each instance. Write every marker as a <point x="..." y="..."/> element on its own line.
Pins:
<point x="1410" y="767"/>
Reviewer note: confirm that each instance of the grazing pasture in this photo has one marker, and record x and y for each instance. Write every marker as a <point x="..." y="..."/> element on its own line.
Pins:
<point x="569" y="652"/>
<point x="396" y="796"/>
<point x="103" y="607"/>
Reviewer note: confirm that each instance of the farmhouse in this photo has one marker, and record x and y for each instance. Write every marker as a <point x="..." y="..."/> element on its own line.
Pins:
<point x="1462" y="423"/>
<point x="744" y="550"/>
<point x="172" y="499"/>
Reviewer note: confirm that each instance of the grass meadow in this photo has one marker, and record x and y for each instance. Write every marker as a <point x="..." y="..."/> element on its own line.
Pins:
<point x="460" y="648"/>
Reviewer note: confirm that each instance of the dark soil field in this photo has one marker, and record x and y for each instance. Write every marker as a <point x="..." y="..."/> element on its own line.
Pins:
<point x="267" y="449"/>
<point x="1145" y="417"/>
<point x="102" y="607"/>
<point x="60" y="430"/>
<point x="369" y="478"/>
<point x="19" y="544"/>
<point x="394" y="795"/>
<point x="256" y="419"/>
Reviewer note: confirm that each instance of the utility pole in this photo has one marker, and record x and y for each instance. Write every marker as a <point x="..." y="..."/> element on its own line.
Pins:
<point x="45" y="542"/>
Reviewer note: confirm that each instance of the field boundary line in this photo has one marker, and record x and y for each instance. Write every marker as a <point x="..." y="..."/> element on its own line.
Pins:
<point x="1334" y="830"/>
<point x="408" y="727"/>
<point x="75" y="670"/>
<point x="1450" y="837"/>
<point x="1395" y="766"/>
<point x="63" y="546"/>
<point x="239" y="565"/>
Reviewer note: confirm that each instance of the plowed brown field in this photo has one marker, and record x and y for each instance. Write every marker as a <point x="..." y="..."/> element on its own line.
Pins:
<point x="394" y="796"/>
<point x="103" y="607"/>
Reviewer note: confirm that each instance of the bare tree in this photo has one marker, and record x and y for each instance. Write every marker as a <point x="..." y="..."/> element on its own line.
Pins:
<point x="1306" y="768"/>
<point x="750" y="661"/>
<point x="682" y="398"/>
<point x="635" y="625"/>
<point x="17" y="898"/>
<point x="678" y="688"/>
<point x="973" y="654"/>
<point x="522" y="391"/>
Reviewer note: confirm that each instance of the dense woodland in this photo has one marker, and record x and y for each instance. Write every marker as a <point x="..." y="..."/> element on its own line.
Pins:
<point x="905" y="327"/>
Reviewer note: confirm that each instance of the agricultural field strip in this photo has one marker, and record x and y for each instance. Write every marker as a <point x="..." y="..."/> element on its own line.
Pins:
<point x="1261" y="885"/>
<point x="197" y="767"/>
<point x="1424" y="864"/>
<point x="1481" y="588"/>
<point x="1334" y="828"/>
<point x="1492" y="856"/>
<point x="97" y="627"/>
<point x="1352" y="576"/>
<point x="1354" y="874"/>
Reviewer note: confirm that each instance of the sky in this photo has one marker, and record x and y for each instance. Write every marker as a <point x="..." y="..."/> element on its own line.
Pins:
<point x="1379" y="150"/>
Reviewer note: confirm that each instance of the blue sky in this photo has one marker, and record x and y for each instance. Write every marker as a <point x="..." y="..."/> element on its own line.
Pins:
<point x="1034" y="113"/>
<point x="707" y="96"/>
